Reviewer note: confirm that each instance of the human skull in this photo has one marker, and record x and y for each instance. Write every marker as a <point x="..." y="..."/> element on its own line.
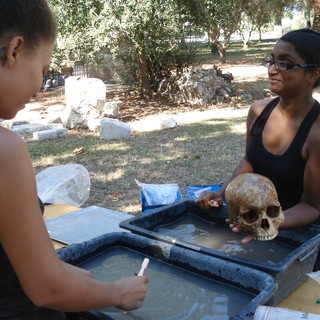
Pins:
<point x="253" y="205"/>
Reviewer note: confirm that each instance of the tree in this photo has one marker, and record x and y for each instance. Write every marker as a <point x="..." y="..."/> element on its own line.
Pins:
<point x="220" y="19"/>
<point x="151" y="30"/>
<point x="260" y="14"/>
<point x="316" y="14"/>
<point x="305" y="7"/>
<point x="245" y="29"/>
<point x="76" y="39"/>
<point x="147" y="35"/>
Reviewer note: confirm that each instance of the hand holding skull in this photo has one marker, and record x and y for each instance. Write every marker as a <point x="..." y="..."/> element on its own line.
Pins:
<point x="253" y="206"/>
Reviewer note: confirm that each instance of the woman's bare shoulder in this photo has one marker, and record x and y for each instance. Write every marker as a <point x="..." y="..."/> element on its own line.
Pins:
<point x="10" y="143"/>
<point x="256" y="108"/>
<point x="259" y="105"/>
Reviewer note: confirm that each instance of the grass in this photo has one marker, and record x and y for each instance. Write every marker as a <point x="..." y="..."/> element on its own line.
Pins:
<point x="199" y="153"/>
<point x="203" y="152"/>
<point x="236" y="54"/>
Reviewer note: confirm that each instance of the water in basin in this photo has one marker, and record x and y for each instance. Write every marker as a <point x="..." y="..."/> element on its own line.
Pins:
<point x="173" y="293"/>
<point x="192" y="229"/>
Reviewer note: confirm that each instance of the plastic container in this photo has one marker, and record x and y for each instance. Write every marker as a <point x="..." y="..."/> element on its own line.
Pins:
<point x="289" y="273"/>
<point x="257" y="285"/>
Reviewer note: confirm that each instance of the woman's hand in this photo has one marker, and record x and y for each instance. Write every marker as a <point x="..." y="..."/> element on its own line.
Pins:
<point x="132" y="292"/>
<point x="208" y="199"/>
<point x="236" y="229"/>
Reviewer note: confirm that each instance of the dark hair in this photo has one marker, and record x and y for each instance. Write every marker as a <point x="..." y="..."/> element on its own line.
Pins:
<point x="306" y="43"/>
<point x="31" y="19"/>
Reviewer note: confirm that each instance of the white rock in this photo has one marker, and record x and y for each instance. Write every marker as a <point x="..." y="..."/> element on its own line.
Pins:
<point x="112" y="129"/>
<point x="85" y="98"/>
<point x="50" y="134"/>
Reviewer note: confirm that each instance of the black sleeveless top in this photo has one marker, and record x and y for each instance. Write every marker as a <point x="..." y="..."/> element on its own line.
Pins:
<point x="286" y="171"/>
<point x="14" y="304"/>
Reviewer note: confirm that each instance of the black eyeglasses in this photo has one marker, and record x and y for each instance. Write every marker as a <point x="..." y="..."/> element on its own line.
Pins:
<point x="283" y="65"/>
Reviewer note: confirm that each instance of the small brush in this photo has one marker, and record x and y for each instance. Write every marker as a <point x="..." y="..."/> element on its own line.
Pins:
<point x="144" y="265"/>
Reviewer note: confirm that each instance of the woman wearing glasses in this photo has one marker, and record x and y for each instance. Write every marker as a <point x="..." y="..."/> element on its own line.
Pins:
<point x="283" y="134"/>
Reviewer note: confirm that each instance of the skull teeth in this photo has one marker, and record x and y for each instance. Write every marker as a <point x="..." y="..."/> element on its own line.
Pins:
<point x="265" y="238"/>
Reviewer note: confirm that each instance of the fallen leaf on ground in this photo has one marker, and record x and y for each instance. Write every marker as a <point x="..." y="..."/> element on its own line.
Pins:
<point x="79" y="150"/>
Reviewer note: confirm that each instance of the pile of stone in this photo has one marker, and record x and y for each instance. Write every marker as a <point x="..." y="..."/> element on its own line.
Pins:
<point x="198" y="86"/>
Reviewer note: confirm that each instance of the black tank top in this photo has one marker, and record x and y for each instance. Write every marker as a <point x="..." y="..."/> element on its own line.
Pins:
<point x="286" y="171"/>
<point x="14" y="304"/>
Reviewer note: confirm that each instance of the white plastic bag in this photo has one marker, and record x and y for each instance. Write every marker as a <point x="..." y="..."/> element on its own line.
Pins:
<point x="159" y="194"/>
<point x="65" y="184"/>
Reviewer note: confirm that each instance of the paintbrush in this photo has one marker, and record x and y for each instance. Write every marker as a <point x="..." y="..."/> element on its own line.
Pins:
<point x="144" y="265"/>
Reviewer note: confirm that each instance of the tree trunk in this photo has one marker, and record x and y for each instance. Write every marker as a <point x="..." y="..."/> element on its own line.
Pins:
<point x="260" y="34"/>
<point x="224" y="46"/>
<point x="223" y="54"/>
<point x="316" y="18"/>
<point x="144" y="80"/>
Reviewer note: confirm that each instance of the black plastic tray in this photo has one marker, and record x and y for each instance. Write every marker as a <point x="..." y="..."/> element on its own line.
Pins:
<point x="257" y="283"/>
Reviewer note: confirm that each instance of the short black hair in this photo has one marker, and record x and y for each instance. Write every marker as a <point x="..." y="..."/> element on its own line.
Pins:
<point x="306" y="43"/>
<point x="31" y="19"/>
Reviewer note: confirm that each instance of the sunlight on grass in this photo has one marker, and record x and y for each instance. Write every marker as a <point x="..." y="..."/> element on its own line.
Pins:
<point x="115" y="174"/>
<point x="51" y="160"/>
<point x="238" y="128"/>
<point x="44" y="162"/>
<point x="181" y="139"/>
<point x="113" y="146"/>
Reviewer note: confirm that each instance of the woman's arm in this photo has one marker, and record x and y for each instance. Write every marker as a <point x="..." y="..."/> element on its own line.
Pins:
<point x="307" y="210"/>
<point x="76" y="269"/>
<point x="23" y="235"/>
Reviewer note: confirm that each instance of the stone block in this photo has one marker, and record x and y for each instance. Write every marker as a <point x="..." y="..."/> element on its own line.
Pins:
<point x="112" y="129"/>
<point x="27" y="130"/>
<point x="51" y="134"/>
<point x="85" y="98"/>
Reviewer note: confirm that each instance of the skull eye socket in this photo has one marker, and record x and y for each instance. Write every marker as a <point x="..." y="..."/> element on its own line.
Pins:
<point x="250" y="216"/>
<point x="273" y="211"/>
